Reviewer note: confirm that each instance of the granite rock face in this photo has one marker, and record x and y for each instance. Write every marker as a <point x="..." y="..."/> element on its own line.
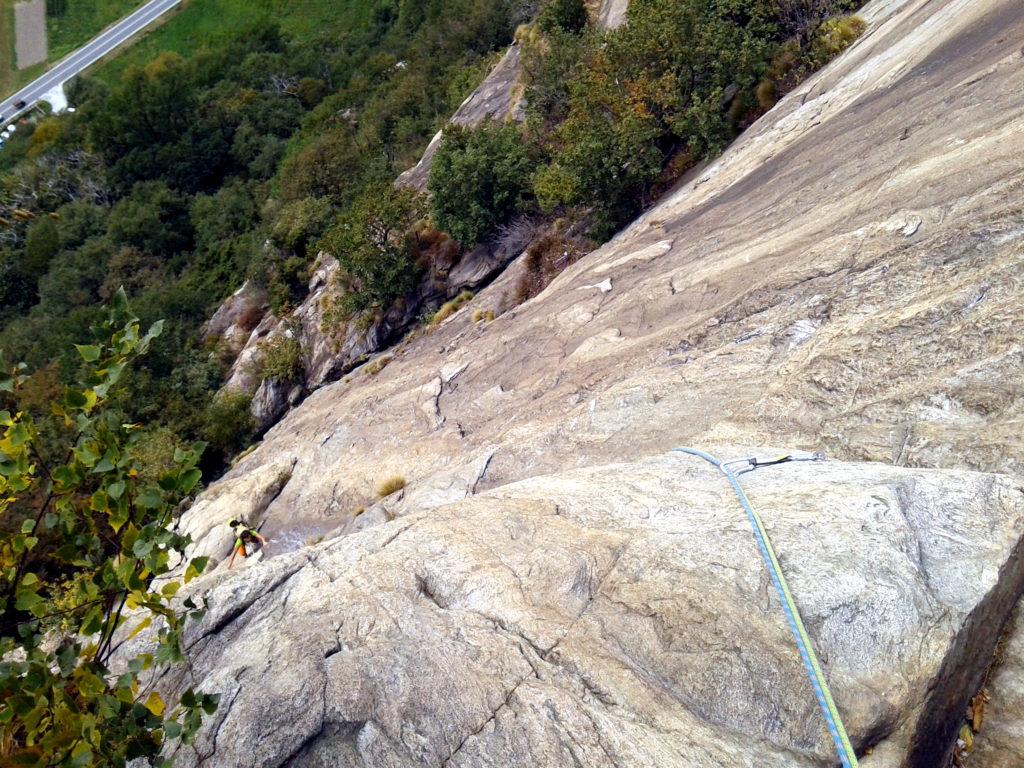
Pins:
<point x="846" y="277"/>
<point x="615" y="616"/>
<point x="235" y="319"/>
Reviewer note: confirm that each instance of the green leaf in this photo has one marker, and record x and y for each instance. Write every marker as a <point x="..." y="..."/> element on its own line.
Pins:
<point x="150" y="498"/>
<point x="27" y="526"/>
<point x="154" y="330"/>
<point x="210" y="702"/>
<point x="172" y="729"/>
<point x="188" y="480"/>
<point x="89" y="352"/>
<point x="170" y="589"/>
<point x="142" y="547"/>
<point x="196" y="567"/>
<point x="89" y="684"/>
<point x="104" y="465"/>
<point x="29" y="601"/>
<point x="93" y="621"/>
<point x="19" y="434"/>
<point x="116" y="489"/>
<point x="120" y="303"/>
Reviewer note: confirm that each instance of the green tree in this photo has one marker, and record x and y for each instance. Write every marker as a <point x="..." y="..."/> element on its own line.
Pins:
<point x="374" y="245"/>
<point x="566" y="15"/>
<point x="42" y="242"/>
<point x="329" y="166"/>
<point x="479" y="179"/>
<point x="154" y="219"/>
<point x="85" y="538"/>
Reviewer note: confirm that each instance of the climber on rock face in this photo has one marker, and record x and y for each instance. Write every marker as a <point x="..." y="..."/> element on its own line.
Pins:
<point x="244" y="536"/>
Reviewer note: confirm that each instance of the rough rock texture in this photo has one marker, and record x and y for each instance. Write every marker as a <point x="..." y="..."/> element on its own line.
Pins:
<point x="243" y="376"/>
<point x="612" y="13"/>
<point x="614" y="616"/>
<point x="846" y="277"/>
<point x="235" y="319"/>
<point x="331" y="348"/>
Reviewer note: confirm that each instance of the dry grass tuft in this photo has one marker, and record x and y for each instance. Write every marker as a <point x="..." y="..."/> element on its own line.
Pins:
<point x="390" y="485"/>
<point x="449" y="308"/>
<point x="483" y="315"/>
<point x="545" y="260"/>
<point x="377" y="365"/>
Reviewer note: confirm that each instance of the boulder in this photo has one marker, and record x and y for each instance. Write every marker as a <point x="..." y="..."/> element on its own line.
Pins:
<point x="273" y="397"/>
<point x="618" y="616"/>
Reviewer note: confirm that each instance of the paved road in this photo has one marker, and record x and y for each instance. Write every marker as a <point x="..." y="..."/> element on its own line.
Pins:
<point x="85" y="56"/>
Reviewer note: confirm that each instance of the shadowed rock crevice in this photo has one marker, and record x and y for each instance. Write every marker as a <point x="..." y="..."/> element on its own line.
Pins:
<point x="965" y="666"/>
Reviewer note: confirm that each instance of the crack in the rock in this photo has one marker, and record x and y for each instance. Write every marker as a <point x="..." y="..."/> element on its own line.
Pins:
<point x="480" y="475"/>
<point x="489" y="720"/>
<point x="242" y="606"/>
<point x="597" y="736"/>
<point x="317" y="732"/>
<point x="427" y="591"/>
<point x="590" y="601"/>
<point x="216" y="730"/>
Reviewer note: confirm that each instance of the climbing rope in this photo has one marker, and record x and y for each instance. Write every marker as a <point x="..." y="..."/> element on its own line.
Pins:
<point x="803" y="642"/>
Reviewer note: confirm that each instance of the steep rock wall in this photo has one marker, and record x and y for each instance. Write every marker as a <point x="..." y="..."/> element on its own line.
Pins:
<point x="846" y="277"/>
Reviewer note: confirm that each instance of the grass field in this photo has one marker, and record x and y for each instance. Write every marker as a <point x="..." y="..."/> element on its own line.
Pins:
<point x="202" y="23"/>
<point x="198" y="24"/>
<point x="81" y="21"/>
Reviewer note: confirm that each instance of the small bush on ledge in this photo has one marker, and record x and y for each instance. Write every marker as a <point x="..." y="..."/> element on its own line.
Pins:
<point x="449" y="308"/>
<point x="280" y="358"/>
<point x="390" y="485"/>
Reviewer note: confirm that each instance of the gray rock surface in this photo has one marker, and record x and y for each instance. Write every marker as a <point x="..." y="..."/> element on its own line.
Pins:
<point x="612" y="616"/>
<point x="236" y="318"/>
<point x="612" y="13"/>
<point x="846" y="277"/>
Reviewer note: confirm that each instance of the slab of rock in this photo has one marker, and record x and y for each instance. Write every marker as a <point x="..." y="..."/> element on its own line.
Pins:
<point x="789" y="309"/>
<point x="616" y="616"/>
<point x="237" y="317"/>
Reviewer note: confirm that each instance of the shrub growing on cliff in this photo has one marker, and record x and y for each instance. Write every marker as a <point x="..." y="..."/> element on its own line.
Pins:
<point x="833" y="37"/>
<point x="390" y="485"/>
<point x="83" y="538"/>
<point x="228" y="425"/>
<point x="680" y="78"/>
<point x="479" y="179"/>
<point x="449" y="308"/>
<point x="280" y="358"/>
<point x="372" y="242"/>
<point x="566" y="15"/>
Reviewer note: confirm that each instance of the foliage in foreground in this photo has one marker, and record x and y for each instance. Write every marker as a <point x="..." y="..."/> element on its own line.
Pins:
<point x="84" y="539"/>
